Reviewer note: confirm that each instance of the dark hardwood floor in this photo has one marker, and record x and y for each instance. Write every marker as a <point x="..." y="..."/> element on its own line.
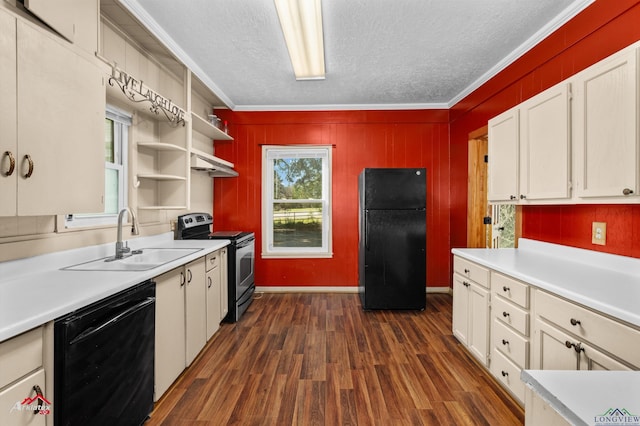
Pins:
<point x="319" y="359"/>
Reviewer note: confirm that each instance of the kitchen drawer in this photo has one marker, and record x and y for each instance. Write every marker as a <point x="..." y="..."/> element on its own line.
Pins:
<point x="511" y="344"/>
<point x="20" y="355"/>
<point x="510" y="289"/>
<point x="508" y="374"/>
<point x="471" y="270"/>
<point x="511" y="314"/>
<point x="612" y="336"/>
<point x="212" y="260"/>
<point x="17" y="393"/>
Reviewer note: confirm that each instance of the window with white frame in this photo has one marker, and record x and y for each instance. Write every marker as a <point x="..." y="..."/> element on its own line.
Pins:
<point x="296" y="201"/>
<point x="116" y="137"/>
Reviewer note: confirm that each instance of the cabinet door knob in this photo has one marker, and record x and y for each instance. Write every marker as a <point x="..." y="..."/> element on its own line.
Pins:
<point x="466" y="271"/>
<point x="209" y="278"/>
<point x="504" y="373"/>
<point x="466" y="284"/>
<point x="505" y="288"/>
<point x="522" y="196"/>
<point x="30" y="171"/>
<point x="574" y="321"/>
<point x="513" y="197"/>
<point x="182" y="279"/>
<point x="12" y="163"/>
<point x="190" y="274"/>
<point x="505" y="342"/>
<point x="505" y="314"/>
<point x="627" y="191"/>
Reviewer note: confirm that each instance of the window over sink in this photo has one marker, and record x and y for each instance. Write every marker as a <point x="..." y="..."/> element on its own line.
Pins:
<point x="116" y="142"/>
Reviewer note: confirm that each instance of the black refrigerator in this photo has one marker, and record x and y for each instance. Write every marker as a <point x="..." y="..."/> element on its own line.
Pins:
<point x="392" y="239"/>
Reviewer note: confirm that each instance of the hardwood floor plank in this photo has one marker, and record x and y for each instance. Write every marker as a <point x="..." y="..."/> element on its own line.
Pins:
<point x="304" y="359"/>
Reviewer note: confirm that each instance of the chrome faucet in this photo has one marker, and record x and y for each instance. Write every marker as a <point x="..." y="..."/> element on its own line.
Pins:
<point x="122" y="248"/>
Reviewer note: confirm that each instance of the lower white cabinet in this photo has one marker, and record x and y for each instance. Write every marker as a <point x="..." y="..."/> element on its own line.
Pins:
<point x="214" y="293"/>
<point x="180" y="322"/>
<point x="21" y="374"/>
<point x="568" y="336"/>
<point x="470" y="321"/>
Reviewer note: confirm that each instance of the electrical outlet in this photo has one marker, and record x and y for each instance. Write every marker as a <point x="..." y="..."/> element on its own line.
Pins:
<point x="172" y="224"/>
<point x="599" y="233"/>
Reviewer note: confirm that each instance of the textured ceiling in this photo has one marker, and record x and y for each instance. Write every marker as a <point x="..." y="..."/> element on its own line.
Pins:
<point x="379" y="54"/>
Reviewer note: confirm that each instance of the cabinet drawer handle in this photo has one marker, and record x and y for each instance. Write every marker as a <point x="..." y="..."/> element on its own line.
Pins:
<point x="505" y="288"/>
<point x="505" y="314"/>
<point x="12" y="163"/>
<point x="522" y="196"/>
<point x="627" y="191"/>
<point x="513" y="197"/>
<point x="466" y="284"/>
<point x="574" y="321"/>
<point x="182" y="279"/>
<point x="505" y="342"/>
<point x="504" y="373"/>
<point x="466" y="271"/>
<point x="190" y="276"/>
<point x="30" y="171"/>
<point x="209" y="278"/>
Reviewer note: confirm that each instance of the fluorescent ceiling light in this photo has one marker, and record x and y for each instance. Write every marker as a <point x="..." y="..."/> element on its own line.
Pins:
<point x="301" y="22"/>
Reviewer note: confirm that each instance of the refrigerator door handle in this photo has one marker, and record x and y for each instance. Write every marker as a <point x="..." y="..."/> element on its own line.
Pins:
<point x="366" y="229"/>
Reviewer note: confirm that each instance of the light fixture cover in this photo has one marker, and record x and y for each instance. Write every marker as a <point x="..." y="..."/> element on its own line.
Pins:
<point x="301" y="22"/>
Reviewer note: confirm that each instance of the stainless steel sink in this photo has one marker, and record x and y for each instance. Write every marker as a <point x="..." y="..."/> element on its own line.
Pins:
<point x="141" y="260"/>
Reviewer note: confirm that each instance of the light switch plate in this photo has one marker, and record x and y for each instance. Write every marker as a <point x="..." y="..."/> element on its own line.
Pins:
<point x="599" y="233"/>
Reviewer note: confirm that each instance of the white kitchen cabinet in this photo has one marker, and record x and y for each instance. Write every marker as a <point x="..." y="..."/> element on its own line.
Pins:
<point x="21" y="372"/>
<point x="569" y="336"/>
<point x="180" y="321"/>
<point x="75" y="20"/>
<point x="195" y="309"/>
<point x="503" y="149"/>
<point x="509" y="331"/>
<point x="606" y="128"/>
<point x="8" y="117"/>
<point x="224" y="283"/>
<point x="529" y="150"/>
<point x="59" y="113"/>
<point x="170" y="358"/>
<point x="213" y="294"/>
<point x="545" y="145"/>
<point x="470" y="321"/>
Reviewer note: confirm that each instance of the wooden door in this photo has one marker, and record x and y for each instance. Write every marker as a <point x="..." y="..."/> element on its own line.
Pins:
<point x="478" y="233"/>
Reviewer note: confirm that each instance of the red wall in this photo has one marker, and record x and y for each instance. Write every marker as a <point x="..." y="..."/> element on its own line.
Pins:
<point x="361" y="139"/>
<point x="600" y="30"/>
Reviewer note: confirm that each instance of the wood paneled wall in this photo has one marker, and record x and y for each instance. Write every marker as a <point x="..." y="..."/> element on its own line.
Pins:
<point x="600" y="30"/>
<point x="361" y="139"/>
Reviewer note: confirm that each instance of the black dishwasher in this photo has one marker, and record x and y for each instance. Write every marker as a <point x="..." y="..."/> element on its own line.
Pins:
<point x="103" y="361"/>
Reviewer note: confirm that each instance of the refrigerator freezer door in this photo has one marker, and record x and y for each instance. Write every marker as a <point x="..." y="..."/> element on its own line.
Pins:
<point x="393" y="188"/>
<point x="393" y="259"/>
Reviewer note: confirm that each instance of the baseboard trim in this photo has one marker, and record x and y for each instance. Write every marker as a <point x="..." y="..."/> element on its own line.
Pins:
<point x="328" y="289"/>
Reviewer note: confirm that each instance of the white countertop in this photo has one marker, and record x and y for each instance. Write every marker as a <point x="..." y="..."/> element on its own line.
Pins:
<point x="604" y="282"/>
<point x="35" y="290"/>
<point x="588" y="397"/>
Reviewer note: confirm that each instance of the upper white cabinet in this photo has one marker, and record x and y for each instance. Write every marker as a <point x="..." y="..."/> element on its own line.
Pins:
<point x="606" y="128"/>
<point x="545" y="147"/>
<point x="504" y="142"/>
<point x="53" y="119"/>
<point x="576" y="142"/>
<point x="75" y="20"/>
<point x="529" y="150"/>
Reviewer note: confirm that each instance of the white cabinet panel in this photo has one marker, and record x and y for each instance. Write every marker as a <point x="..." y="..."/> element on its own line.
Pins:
<point x="606" y="126"/>
<point x="545" y="147"/>
<point x="195" y="309"/>
<point x="8" y="128"/>
<point x="504" y="140"/>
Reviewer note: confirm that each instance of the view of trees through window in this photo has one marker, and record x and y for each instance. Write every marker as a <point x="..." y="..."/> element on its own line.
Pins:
<point x="297" y="202"/>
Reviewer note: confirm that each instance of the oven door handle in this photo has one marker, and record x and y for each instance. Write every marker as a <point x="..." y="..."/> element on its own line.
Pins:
<point x="114" y="319"/>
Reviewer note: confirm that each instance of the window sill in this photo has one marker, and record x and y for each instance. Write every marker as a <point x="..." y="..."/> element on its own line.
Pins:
<point x="298" y="255"/>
